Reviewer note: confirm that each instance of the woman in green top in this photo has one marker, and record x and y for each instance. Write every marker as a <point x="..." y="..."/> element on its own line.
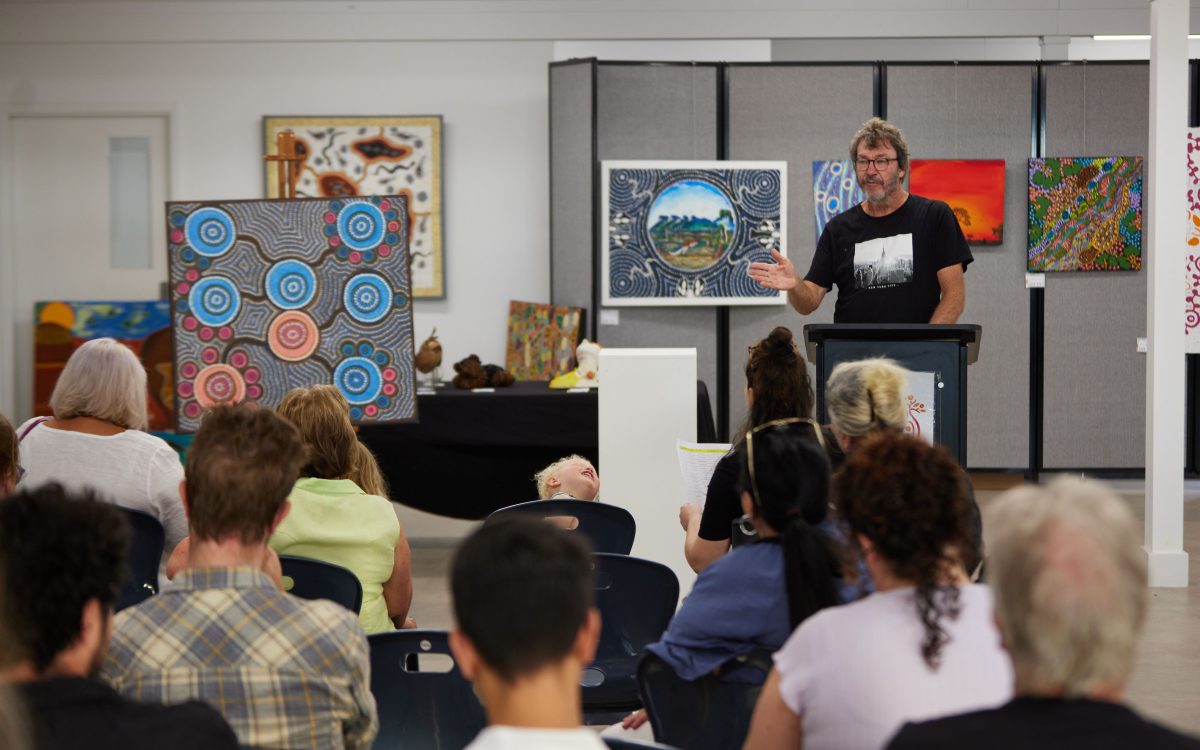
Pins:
<point x="333" y="520"/>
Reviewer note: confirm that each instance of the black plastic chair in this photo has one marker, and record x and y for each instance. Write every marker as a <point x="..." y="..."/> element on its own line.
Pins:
<point x="618" y="744"/>
<point x="420" y="710"/>
<point x="703" y="714"/>
<point x="610" y="528"/>
<point x="636" y="599"/>
<point x="146" y="542"/>
<point x="313" y="579"/>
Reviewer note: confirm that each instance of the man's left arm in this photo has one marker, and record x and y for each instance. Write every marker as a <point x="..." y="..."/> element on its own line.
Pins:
<point x="954" y="295"/>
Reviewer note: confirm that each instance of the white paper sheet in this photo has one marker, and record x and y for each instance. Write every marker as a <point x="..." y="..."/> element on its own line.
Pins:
<point x="697" y="461"/>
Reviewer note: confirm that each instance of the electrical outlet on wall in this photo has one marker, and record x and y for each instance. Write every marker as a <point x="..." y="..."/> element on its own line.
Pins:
<point x="1143" y="345"/>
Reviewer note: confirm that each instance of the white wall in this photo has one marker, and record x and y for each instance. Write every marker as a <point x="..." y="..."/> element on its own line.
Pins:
<point x="493" y="96"/>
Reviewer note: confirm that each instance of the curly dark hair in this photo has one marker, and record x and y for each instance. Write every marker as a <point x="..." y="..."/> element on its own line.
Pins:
<point x="777" y="373"/>
<point x="911" y="501"/>
<point x="58" y="550"/>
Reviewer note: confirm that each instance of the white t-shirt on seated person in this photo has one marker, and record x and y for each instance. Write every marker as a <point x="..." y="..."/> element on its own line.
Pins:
<point x="132" y="469"/>
<point x="855" y="674"/>
<point x="522" y="738"/>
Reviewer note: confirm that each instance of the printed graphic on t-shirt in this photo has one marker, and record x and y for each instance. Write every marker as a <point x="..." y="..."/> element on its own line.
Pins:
<point x="883" y="262"/>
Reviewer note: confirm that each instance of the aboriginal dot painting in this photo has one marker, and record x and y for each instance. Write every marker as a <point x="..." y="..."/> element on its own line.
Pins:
<point x="354" y="156"/>
<point x="1192" y="273"/>
<point x="835" y="189"/>
<point x="685" y="233"/>
<point x="268" y="295"/>
<point x="541" y="340"/>
<point x="1085" y="214"/>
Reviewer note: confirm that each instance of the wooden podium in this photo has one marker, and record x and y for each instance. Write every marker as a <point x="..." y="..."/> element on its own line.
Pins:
<point x="944" y="350"/>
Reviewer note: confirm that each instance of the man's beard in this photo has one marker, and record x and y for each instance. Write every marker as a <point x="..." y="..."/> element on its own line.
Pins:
<point x="887" y="188"/>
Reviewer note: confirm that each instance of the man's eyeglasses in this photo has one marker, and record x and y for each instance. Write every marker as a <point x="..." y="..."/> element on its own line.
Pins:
<point x="775" y="424"/>
<point x="880" y="164"/>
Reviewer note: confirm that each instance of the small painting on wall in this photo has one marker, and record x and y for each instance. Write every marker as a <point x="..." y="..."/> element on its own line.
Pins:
<point x="835" y="189"/>
<point x="1085" y="213"/>
<point x="541" y="340"/>
<point x="685" y="233"/>
<point x="144" y="326"/>
<point x="354" y="156"/>
<point x="269" y="295"/>
<point x="973" y="188"/>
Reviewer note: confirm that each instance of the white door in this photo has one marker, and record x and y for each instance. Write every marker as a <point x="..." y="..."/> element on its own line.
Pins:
<point x="70" y="174"/>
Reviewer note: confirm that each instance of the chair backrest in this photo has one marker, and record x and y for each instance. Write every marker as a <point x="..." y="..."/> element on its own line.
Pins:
<point x="313" y="579"/>
<point x="610" y="528"/>
<point x="146" y="541"/>
<point x="636" y="599"/>
<point x="704" y="714"/>
<point x="420" y="710"/>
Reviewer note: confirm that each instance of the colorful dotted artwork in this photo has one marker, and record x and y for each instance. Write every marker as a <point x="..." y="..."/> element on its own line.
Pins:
<point x="342" y="157"/>
<point x="268" y="295"/>
<point x="1085" y="214"/>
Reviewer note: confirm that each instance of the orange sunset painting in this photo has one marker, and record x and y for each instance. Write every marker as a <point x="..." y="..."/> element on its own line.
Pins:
<point x="973" y="188"/>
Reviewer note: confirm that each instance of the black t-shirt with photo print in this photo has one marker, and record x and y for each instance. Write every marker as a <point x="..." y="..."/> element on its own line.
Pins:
<point x="885" y="268"/>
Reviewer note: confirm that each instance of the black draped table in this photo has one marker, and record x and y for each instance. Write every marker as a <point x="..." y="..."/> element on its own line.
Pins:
<point x="472" y="453"/>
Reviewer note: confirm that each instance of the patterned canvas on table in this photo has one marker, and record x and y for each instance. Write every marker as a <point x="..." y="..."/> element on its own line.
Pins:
<point x="541" y="340"/>
<point x="349" y="156"/>
<point x="1085" y="214"/>
<point x="1192" y="275"/>
<point x="145" y="327"/>
<point x="685" y="233"/>
<point x="973" y="188"/>
<point x="835" y="189"/>
<point x="271" y="295"/>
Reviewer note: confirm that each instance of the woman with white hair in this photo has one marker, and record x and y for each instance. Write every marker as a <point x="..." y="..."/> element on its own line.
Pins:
<point x="96" y="439"/>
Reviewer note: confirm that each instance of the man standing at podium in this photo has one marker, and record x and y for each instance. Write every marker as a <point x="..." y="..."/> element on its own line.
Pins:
<point x="895" y="257"/>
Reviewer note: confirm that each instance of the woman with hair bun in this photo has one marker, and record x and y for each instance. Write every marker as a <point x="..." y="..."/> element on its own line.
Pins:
<point x="923" y="645"/>
<point x="777" y="387"/>
<point x="864" y="396"/>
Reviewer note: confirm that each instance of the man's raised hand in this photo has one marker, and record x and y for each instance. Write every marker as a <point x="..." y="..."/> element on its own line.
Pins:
<point x="778" y="275"/>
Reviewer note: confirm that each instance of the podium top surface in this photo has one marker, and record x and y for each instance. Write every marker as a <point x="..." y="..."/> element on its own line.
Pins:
<point x="968" y="335"/>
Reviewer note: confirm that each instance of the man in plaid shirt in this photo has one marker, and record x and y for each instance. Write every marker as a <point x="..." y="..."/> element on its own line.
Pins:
<point x="285" y="673"/>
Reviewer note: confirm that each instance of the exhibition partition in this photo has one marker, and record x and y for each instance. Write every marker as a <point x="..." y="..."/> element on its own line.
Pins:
<point x="1059" y="385"/>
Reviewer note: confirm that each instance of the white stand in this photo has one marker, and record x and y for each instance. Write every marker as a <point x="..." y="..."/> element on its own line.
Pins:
<point x="647" y="401"/>
<point x="1166" y="183"/>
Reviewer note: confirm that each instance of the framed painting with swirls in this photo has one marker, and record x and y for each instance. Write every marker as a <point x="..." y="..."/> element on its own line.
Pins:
<point x="343" y="157"/>
<point x="269" y="295"/>
<point x="678" y="233"/>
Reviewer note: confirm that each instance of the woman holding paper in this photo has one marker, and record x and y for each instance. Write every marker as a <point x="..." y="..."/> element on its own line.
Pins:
<point x="777" y="387"/>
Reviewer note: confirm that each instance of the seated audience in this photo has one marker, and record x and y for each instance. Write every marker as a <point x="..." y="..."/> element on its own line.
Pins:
<point x="1069" y="577"/>
<point x="777" y="387"/>
<point x="868" y="395"/>
<point x="570" y="478"/>
<point x="63" y="558"/>
<point x="334" y="520"/>
<point x="755" y="596"/>
<point x="923" y="645"/>
<point x="95" y="439"/>
<point x="10" y="458"/>
<point x="525" y="628"/>
<point x="285" y="672"/>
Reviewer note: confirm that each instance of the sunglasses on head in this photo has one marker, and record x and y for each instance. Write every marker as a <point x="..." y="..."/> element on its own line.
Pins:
<point x="784" y="424"/>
